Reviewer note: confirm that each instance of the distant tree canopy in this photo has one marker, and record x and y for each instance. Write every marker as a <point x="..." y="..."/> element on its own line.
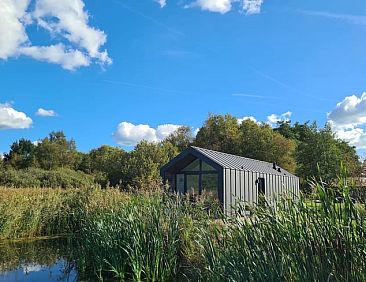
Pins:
<point x="319" y="148"/>
<point x="299" y="148"/>
<point x="249" y="139"/>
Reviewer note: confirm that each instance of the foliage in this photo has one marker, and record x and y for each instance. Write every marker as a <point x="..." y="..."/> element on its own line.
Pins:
<point x="35" y="177"/>
<point x="142" y="167"/>
<point x="159" y="237"/>
<point x="107" y="160"/>
<point x="295" y="242"/>
<point x="181" y="139"/>
<point x="56" y="151"/>
<point x="248" y="139"/>
<point x="21" y="155"/>
<point x="320" y="147"/>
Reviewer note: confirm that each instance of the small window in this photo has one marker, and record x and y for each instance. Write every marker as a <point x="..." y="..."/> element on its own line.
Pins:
<point x="193" y="166"/>
<point x="207" y="167"/>
<point x="261" y="186"/>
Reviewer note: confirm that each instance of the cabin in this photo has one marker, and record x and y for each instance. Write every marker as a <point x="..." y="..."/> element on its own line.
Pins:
<point x="228" y="178"/>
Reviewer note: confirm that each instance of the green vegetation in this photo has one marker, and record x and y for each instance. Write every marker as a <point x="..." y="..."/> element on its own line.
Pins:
<point x="299" y="148"/>
<point x="153" y="236"/>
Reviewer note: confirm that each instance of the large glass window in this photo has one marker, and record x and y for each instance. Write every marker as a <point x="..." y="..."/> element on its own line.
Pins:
<point x="210" y="185"/>
<point x="193" y="166"/>
<point x="193" y="184"/>
<point x="207" y="167"/>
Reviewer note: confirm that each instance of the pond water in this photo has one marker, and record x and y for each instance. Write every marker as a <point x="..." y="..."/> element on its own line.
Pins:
<point x="37" y="261"/>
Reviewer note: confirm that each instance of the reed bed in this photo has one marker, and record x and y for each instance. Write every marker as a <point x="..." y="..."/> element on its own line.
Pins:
<point x="160" y="237"/>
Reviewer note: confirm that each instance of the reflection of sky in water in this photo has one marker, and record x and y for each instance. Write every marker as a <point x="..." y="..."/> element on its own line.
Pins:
<point x="40" y="273"/>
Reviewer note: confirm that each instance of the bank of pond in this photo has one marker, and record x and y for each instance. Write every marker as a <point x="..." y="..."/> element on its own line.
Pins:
<point x="108" y="235"/>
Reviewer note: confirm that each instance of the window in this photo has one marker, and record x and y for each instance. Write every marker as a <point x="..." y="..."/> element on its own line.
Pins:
<point x="207" y="167"/>
<point x="193" y="184"/>
<point x="210" y="185"/>
<point x="193" y="166"/>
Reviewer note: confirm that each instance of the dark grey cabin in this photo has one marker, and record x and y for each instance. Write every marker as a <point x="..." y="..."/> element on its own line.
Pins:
<point x="230" y="178"/>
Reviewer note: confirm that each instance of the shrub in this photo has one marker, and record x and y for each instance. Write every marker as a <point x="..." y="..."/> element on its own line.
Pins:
<point x="34" y="177"/>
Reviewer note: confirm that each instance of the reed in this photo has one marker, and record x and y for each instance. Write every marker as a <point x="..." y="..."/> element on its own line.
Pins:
<point x="294" y="242"/>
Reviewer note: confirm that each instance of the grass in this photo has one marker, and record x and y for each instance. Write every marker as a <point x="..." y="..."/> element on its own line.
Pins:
<point x="159" y="237"/>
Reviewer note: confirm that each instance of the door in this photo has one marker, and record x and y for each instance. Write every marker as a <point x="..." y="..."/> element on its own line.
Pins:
<point x="180" y="183"/>
<point x="261" y="191"/>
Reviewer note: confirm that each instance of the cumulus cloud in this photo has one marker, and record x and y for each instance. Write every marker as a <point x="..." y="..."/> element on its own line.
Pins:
<point x="223" y="6"/>
<point x="220" y="6"/>
<point x="273" y="118"/>
<point x="66" y="21"/>
<point x="240" y="120"/>
<point x="45" y="113"/>
<point x="13" y="119"/>
<point x="346" y="119"/>
<point x="130" y="134"/>
<point x="350" y="112"/>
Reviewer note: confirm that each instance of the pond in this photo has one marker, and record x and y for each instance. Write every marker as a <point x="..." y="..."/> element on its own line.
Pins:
<point x="37" y="261"/>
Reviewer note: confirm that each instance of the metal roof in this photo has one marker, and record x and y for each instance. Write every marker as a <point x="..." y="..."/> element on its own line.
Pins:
<point x="241" y="163"/>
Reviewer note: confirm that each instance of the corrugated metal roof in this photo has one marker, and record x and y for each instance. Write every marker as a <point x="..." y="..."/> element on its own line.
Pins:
<point x="241" y="163"/>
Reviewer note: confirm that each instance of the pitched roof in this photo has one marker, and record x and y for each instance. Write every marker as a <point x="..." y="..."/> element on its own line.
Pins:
<point x="241" y="163"/>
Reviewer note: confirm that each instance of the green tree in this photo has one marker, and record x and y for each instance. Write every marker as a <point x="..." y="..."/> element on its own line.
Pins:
<point x="21" y="154"/>
<point x="320" y="147"/>
<point x="219" y="133"/>
<point x="107" y="160"/>
<point x="262" y="143"/>
<point x="141" y="168"/>
<point x="182" y="138"/>
<point x="56" y="151"/>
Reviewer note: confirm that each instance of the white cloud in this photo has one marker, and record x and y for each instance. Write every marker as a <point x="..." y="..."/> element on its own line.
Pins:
<point x="350" y="112"/>
<point x="224" y="6"/>
<point x="13" y="119"/>
<point x="273" y="118"/>
<point x="161" y="2"/>
<point x="252" y="6"/>
<point x="12" y="28"/>
<point x="346" y="118"/>
<point x="56" y="54"/>
<point x="45" y="113"/>
<point x="65" y="20"/>
<point x="220" y="6"/>
<point x="130" y="134"/>
<point x="240" y="120"/>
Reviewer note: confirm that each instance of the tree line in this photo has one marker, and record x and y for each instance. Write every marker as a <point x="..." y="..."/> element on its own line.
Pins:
<point x="305" y="149"/>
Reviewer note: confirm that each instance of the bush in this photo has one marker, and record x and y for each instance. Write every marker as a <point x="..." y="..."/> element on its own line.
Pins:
<point x="34" y="177"/>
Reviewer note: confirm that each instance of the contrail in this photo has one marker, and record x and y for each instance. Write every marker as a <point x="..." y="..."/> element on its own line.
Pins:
<point x="154" y="21"/>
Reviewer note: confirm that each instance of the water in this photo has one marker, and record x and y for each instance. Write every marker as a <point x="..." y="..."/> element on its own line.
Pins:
<point x="37" y="261"/>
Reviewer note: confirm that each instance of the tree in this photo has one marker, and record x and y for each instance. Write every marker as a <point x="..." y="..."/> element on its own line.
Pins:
<point x="182" y="138"/>
<point x="319" y="147"/>
<point x="56" y="151"/>
<point x="107" y="160"/>
<point x="259" y="141"/>
<point x="21" y="154"/>
<point x="219" y="133"/>
<point x="141" y="169"/>
<point x="249" y="139"/>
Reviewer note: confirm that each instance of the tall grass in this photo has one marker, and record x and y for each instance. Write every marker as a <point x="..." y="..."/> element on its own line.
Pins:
<point x="295" y="242"/>
<point x="160" y="237"/>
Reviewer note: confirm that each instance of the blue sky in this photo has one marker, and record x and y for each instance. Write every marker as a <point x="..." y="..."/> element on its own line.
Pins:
<point x="134" y="70"/>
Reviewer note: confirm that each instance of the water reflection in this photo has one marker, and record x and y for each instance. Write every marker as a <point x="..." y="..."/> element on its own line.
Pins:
<point x="42" y="260"/>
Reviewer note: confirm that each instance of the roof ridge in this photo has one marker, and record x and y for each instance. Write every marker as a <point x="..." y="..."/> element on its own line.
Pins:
<point x="235" y="156"/>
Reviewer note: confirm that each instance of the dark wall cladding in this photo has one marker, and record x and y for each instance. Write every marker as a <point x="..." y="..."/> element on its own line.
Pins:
<point x="241" y="186"/>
